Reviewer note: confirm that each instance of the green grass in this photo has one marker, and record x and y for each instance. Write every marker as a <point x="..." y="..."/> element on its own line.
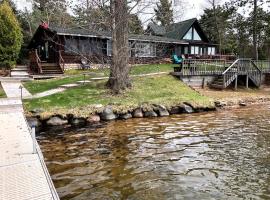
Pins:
<point x="2" y="93"/>
<point x="163" y="89"/>
<point x="43" y="85"/>
<point x="135" y="70"/>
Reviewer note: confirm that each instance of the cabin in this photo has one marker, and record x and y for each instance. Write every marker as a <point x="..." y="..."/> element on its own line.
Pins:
<point x="52" y="48"/>
<point x="190" y="31"/>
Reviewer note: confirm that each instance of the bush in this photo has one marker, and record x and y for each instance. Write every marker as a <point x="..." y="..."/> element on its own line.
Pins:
<point x="10" y="36"/>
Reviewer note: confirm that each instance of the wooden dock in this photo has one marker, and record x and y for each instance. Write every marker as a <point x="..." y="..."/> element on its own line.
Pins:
<point x="224" y="73"/>
<point x="23" y="173"/>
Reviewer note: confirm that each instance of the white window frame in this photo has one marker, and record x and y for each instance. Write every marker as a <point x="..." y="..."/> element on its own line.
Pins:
<point x="195" y="33"/>
<point x="188" y="35"/>
<point x="109" y="48"/>
<point x="211" y="51"/>
<point x="145" y="49"/>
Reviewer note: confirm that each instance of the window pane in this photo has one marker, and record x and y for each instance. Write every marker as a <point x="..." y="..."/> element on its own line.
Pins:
<point x="143" y="49"/>
<point x="186" y="50"/>
<point x="209" y="50"/>
<point x="196" y="50"/>
<point x="109" y="48"/>
<point x="196" y="35"/>
<point x="188" y="35"/>
<point x="71" y="45"/>
<point x="213" y="51"/>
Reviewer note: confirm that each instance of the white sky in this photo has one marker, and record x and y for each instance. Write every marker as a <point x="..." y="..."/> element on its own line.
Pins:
<point x="194" y="8"/>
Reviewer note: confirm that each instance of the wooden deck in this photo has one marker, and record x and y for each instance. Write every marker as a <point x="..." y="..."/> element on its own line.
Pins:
<point x="224" y="72"/>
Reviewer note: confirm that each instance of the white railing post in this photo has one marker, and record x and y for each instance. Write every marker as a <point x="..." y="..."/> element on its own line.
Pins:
<point x="33" y="134"/>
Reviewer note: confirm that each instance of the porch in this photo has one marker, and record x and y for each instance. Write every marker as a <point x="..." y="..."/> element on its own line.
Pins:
<point x="221" y="74"/>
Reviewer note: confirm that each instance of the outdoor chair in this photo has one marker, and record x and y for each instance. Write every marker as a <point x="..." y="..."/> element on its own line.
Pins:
<point x="177" y="60"/>
<point x="84" y="64"/>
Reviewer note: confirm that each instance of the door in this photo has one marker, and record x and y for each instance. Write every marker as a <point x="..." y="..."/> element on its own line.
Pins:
<point x="44" y="51"/>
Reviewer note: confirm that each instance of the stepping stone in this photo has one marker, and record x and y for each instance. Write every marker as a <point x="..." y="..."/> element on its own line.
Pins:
<point x="82" y="82"/>
<point x="99" y="78"/>
<point x="69" y="85"/>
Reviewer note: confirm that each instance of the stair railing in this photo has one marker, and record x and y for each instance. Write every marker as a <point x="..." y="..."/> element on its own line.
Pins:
<point x="230" y="73"/>
<point x="61" y="62"/>
<point x="38" y="62"/>
<point x="255" y="74"/>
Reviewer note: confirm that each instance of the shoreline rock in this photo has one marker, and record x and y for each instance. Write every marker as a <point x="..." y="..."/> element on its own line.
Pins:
<point x="108" y="114"/>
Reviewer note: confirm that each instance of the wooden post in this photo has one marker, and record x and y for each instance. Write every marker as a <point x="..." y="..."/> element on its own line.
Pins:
<point x="247" y="81"/>
<point x="236" y="80"/>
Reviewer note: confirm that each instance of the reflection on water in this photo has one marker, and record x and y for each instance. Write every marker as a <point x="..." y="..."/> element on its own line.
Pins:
<point x="222" y="155"/>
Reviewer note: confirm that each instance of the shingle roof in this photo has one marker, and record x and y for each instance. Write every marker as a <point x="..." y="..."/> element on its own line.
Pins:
<point x="106" y="35"/>
<point x="157" y="29"/>
<point x="178" y="30"/>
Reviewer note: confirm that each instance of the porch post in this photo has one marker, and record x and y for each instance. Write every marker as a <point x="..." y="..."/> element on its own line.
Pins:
<point x="236" y="80"/>
<point x="247" y="81"/>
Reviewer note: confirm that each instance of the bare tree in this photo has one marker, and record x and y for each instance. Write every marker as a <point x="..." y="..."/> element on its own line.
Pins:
<point x="119" y="73"/>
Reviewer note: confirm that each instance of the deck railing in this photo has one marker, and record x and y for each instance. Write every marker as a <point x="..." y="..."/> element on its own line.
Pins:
<point x="242" y="67"/>
<point x="61" y="62"/>
<point x="195" y="67"/>
<point x="263" y="65"/>
<point x="202" y="67"/>
<point x="35" y="62"/>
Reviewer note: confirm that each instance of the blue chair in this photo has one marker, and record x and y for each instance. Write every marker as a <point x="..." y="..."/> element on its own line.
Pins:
<point x="176" y="59"/>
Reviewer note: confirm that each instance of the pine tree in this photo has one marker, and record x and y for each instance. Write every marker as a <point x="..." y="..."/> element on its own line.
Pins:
<point x="164" y="13"/>
<point x="10" y="36"/>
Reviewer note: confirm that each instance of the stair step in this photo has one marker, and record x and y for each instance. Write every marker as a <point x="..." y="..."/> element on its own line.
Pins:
<point x="19" y="73"/>
<point x="49" y="64"/>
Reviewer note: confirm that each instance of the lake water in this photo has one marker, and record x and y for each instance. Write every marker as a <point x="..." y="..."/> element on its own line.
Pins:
<point x="217" y="155"/>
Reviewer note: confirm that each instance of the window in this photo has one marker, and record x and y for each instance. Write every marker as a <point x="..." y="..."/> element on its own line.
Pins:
<point x="85" y="47"/>
<point x="188" y="36"/>
<point x="196" y="35"/>
<point x="186" y="50"/>
<point x="194" y="50"/>
<point x="71" y="45"/>
<point x="144" y="49"/>
<point x="192" y="34"/>
<point x="109" y="48"/>
<point x="211" y="51"/>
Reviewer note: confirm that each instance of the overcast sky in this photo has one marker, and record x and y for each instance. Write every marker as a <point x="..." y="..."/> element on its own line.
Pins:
<point x="194" y="7"/>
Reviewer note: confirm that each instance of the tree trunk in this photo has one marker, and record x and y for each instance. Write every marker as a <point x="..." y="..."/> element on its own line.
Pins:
<point x="255" y="35"/>
<point x="119" y="72"/>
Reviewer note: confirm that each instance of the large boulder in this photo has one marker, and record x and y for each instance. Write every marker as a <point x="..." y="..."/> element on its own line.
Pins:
<point x="187" y="108"/>
<point x="56" y="121"/>
<point x="162" y="111"/>
<point x="78" y="121"/>
<point x="137" y="113"/>
<point x="93" y="118"/>
<point x="150" y="113"/>
<point x="125" y="116"/>
<point x="108" y="114"/>
<point x="175" y="110"/>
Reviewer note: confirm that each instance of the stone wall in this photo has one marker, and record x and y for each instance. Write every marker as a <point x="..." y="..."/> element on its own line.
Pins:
<point x="197" y="81"/>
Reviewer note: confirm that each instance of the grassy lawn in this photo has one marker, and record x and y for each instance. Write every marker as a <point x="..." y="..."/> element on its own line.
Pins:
<point x="163" y="89"/>
<point x="43" y="85"/>
<point x="2" y="93"/>
<point x="135" y="70"/>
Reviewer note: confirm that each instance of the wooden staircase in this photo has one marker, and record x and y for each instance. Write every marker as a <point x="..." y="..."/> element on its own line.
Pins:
<point x="51" y="68"/>
<point x="217" y="83"/>
<point x="243" y="67"/>
<point x="39" y="67"/>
